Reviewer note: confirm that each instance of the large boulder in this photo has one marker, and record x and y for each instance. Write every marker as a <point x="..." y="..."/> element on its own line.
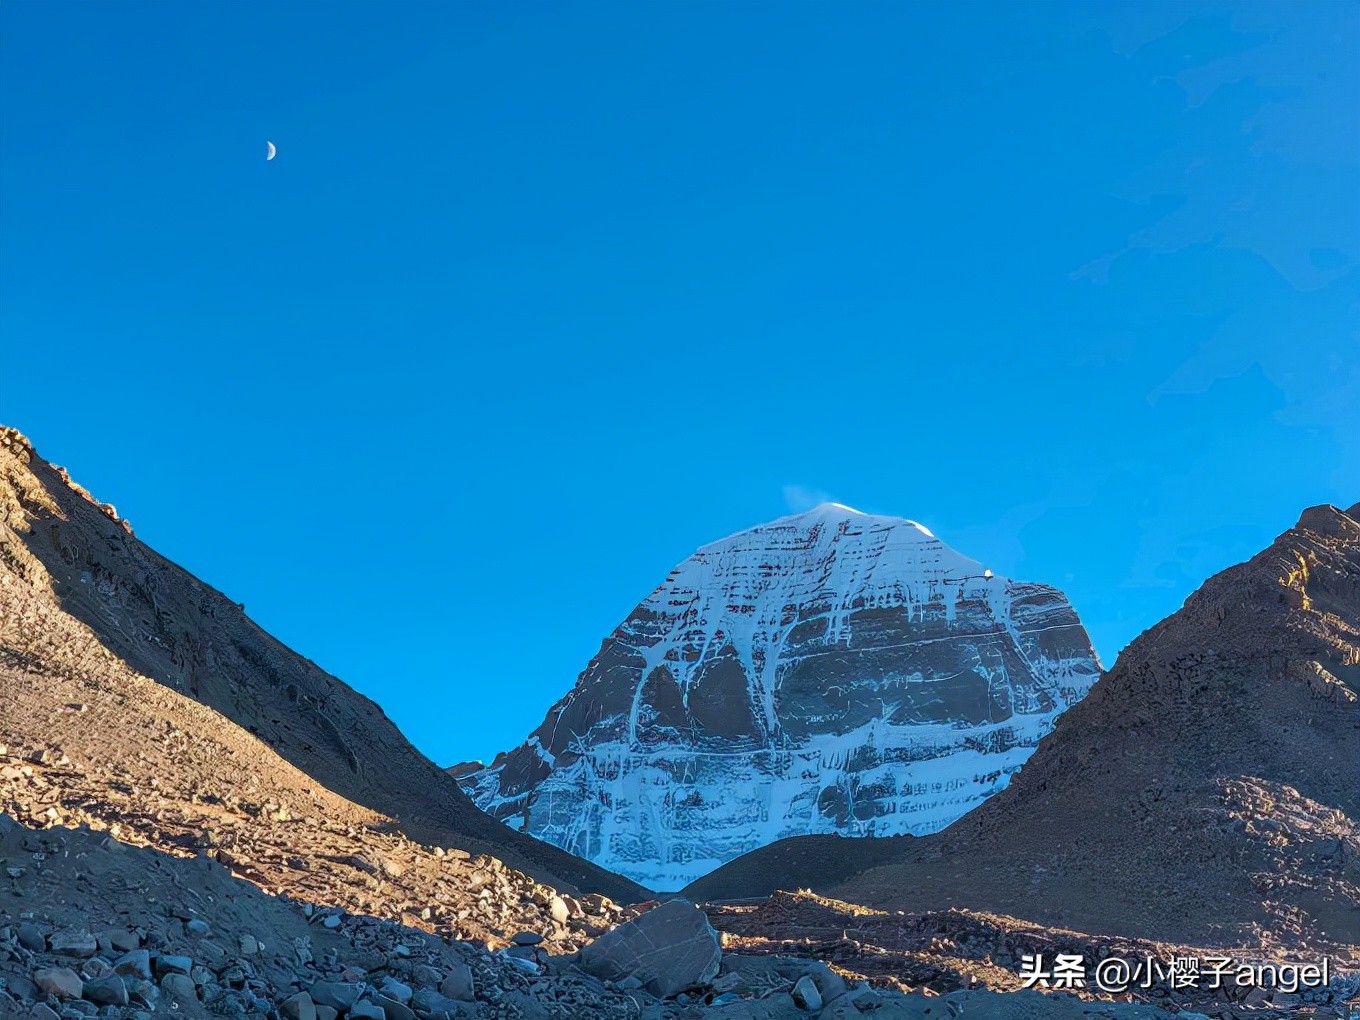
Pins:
<point x="669" y="948"/>
<point x="339" y="995"/>
<point x="62" y="982"/>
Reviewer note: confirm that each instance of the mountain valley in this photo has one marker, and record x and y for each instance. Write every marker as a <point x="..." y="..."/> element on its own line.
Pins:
<point x="195" y="821"/>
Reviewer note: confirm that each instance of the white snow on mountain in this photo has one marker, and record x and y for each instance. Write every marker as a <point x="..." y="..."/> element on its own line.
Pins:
<point x="830" y="671"/>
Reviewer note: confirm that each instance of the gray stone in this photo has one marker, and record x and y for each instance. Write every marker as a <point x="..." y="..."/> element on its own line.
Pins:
<point x="170" y="964"/>
<point x="526" y="938"/>
<point x="124" y="941"/>
<point x="228" y="1003"/>
<point x="42" y="1011"/>
<point x="326" y="1013"/>
<point x="841" y="1009"/>
<point x="668" y="949"/>
<point x="31" y="937"/>
<point x="458" y="985"/>
<point x="108" y="990"/>
<point x="197" y="928"/>
<point x="392" y="1009"/>
<point x="774" y="1006"/>
<point x="427" y="1000"/>
<point x="248" y="945"/>
<point x="298" y="1007"/>
<point x="330" y="921"/>
<point x="62" y="982"/>
<point x="394" y="989"/>
<point x="830" y="984"/>
<point x="136" y="964"/>
<point x="179" y="987"/>
<point x="856" y="1003"/>
<point x="95" y="966"/>
<point x="366" y="1011"/>
<point x="211" y="953"/>
<point x="142" y="991"/>
<point x="805" y="994"/>
<point x="337" y="994"/>
<point x="73" y="943"/>
<point x="426" y="976"/>
<point x="17" y="984"/>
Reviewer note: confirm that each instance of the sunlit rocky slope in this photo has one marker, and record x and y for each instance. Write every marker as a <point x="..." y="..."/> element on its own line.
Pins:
<point x="190" y="703"/>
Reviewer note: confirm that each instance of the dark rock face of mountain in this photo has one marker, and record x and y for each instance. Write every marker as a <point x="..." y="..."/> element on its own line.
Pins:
<point x="1207" y="789"/>
<point x="831" y="671"/>
<point x="79" y="593"/>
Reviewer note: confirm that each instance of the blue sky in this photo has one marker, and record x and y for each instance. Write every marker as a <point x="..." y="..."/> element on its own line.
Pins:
<point x="536" y="299"/>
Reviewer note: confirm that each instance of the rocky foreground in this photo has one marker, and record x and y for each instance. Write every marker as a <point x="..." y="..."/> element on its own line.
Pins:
<point x="941" y="951"/>
<point x="92" y="927"/>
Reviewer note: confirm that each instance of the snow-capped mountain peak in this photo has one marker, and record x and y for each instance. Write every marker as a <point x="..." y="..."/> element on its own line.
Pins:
<point x="828" y="671"/>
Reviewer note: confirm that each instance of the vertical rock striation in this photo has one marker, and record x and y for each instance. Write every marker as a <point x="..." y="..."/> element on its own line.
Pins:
<point x="829" y="672"/>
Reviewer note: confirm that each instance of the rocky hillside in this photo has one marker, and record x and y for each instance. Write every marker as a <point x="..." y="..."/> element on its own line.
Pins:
<point x="1207" y="789"/>
<point x="832" y="671"/>
<point x="92" y="923"/>
<point x="91" y="926"/>
<point x="116" y="752"/>
<point x="88" y="610"/>
<point x="161" y="857"/>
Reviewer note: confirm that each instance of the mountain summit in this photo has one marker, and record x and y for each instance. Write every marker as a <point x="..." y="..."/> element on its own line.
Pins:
<point x="829" y="672"/>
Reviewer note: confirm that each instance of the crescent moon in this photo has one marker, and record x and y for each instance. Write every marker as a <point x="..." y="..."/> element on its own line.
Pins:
<point x="270" y="151"/>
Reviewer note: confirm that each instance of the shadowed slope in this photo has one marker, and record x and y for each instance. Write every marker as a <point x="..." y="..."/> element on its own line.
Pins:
<point x="79" y="593"/>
